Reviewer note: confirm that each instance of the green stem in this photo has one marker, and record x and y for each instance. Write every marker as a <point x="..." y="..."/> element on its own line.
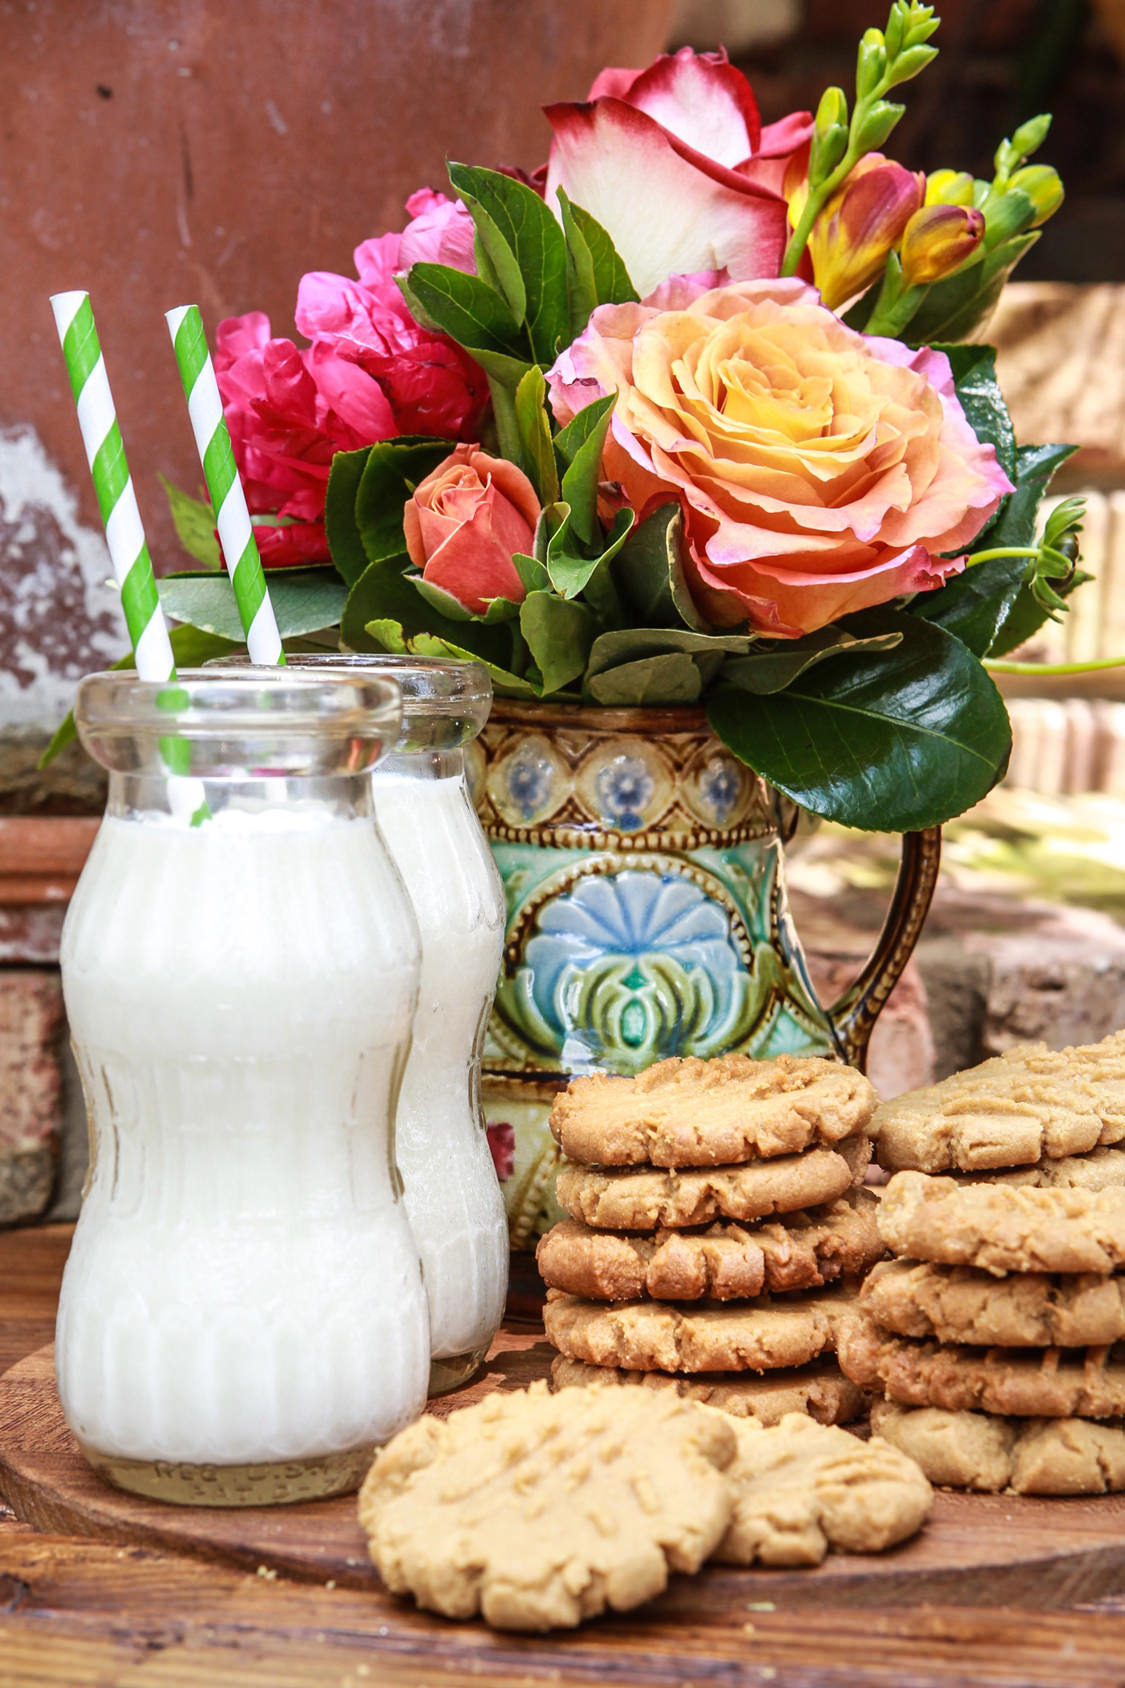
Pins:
<point x="997" y="666"/>
<point x="1017" y="551"/>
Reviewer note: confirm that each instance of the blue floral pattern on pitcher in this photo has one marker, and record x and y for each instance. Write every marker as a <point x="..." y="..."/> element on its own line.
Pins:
<point x="624" y="790"/>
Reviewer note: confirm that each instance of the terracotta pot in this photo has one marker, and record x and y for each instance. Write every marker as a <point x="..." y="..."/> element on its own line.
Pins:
<point x="643" y="867"/>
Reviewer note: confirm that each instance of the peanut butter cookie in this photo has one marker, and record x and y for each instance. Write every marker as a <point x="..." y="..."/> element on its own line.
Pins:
<point x="665" y="1336"/>
<point x="1024" y="1310"/>
<point x="1003" y="1228"/>
<point x="726" y="1262"/>
<point x="803" y="1488"/>
<point x="1026" y="1382"/>
<point x="1037" y="1456"/>
<point x="540" y="1510"/>
<point x="821" y="1390"/>
<point x="1100" y="1169"/>
<point x="689" y="1112"/>
<point x="644" y="1198"/>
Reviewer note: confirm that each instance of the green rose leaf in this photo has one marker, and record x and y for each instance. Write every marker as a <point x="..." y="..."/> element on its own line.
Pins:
<point x="439" y="599"/>
<point x="304" y="601"/>
<point x="559" y="635"/>
<point x="345" y="542"/>
<point x="581" y="444"/>
<point x="610" y="279"/>
<point x="670" y="678"/>
<point x="974" y="375"/>
<point x="386" y="634"/>
<point x="535" y="435"/>
<point x="191" y="648"/>
<point x="470" y="312"/>
<point x="649" y="571"/>
<point x="519" y="223"/>
<point x="959" y="307"/>
<point x="533" y="574"/>
<point x="393" y="470"/>
<point x="385" y="593"/>
<point x="777" y="663"/>
<point x="888" y="747"/>
<point x="194" y="522"/>
<point x="632" y="644"/>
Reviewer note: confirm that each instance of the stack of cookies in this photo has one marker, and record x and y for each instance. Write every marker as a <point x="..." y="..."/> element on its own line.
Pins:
<point x="997" y="1334"/>
<point x="717" y="1225"/>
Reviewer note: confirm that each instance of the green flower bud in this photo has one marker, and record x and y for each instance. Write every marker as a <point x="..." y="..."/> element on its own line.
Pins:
<point x="919" y="24"/>
<point x="909" y="63"/>
<point x="1042" y="186"/>
<point x="1029" y="137"/>
<point x="832" y="112"/>
<point x="871" y="64"/>
<point x="826" y="152"/>
<point x="1007" y="214"/>
<point x="877" y="125"/>
<point x="896" y="29"/>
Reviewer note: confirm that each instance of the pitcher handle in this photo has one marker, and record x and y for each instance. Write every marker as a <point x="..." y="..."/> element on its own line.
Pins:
<point x="854" y="1015"/>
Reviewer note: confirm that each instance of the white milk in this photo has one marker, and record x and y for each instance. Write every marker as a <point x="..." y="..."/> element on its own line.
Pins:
<point x="453" y="1196"/>
<point x="243" y="1285"/>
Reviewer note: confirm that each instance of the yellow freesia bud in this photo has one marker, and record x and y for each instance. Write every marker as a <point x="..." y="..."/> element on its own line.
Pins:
<point x="949" y="187"/>
<point x="860" y="225"/>
<point x="1042" y="186"/>
<point x="937" y="240"/>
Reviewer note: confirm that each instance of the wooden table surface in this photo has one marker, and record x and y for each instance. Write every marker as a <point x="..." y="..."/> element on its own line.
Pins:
<point x="79" y="1613"/>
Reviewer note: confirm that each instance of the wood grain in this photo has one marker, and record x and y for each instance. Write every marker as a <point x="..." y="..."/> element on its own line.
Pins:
<point x="976" y="1549"/>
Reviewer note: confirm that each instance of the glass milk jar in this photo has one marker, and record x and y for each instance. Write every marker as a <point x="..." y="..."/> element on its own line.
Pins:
<point x="242" y="1316"/>
<point x="427" y="817"/>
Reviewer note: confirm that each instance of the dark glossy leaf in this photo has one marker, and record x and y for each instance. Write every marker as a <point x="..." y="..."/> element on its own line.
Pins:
<point x="344" y="539"/>
<point x="195" y="525"/>
<point x="393" y="470"/>
<point x="974" y="374"/>
<point x="973" y="605"/>
<point x="1026" y="615"/>
<point x="890" y="747"/>
<point x="958" y="308"/>
<point x="777" y="663"/>
<point x="649" y="572"/>
<point x="303" y="602"/>
<point x="670" y="678"/>
<point x="1016" y="522"/>
<point x="559" y="635"/>
<point x="523" y="224"/>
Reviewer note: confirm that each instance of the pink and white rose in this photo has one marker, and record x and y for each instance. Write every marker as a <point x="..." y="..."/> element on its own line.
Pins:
<point x="674" y="163"/>
<point x="820" y="471"/>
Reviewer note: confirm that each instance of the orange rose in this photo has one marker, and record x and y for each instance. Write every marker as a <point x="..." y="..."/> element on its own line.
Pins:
<point x="465" y="521"/>
<point x="820" y="471"/>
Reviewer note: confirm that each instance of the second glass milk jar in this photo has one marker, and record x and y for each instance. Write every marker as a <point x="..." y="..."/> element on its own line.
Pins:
<point x="426" y="815"/>
<point x="242" y="1316"/>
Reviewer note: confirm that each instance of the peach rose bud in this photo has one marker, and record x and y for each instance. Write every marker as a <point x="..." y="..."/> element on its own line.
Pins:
<point x="465" y="521"/>
<point x="937" y="240"/>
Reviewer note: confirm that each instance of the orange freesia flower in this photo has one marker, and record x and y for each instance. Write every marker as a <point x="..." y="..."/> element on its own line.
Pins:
<point x="937" y="240"/>
<point x="859" y="225"/>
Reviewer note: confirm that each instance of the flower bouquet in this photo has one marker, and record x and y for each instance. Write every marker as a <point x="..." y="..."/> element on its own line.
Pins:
<point x="696" y="414"/>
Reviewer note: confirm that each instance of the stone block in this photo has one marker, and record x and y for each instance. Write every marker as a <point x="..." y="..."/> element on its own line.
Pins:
<point x="30" y="1090"/>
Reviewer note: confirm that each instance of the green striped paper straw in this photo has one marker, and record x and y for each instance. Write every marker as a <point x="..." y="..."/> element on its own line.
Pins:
<point x="228" y="501"/>
<point x="97" y="419"/>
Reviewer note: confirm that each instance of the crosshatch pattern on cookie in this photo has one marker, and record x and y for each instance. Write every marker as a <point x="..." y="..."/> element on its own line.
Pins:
<point x="725" y="1262"/>
<point x="1025" y="1382"/>
<point x="686" y="1111"/>
<point x="632" y="1199"/>
<point x="819" y="1389"/>
<point x="1023" y="1310"/>
<point x="761" y="1335"/>
<point x="1003" y="1228"/>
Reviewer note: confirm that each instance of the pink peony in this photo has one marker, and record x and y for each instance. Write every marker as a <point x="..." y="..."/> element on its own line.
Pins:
<point x="464" y="522"/>
<point x="674" y="163"/>
<point x="819" y="471"/>
<point x="371" y="372"/>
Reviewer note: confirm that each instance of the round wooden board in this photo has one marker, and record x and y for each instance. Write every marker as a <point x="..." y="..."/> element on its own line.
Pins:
<point x="975" y="1550"/>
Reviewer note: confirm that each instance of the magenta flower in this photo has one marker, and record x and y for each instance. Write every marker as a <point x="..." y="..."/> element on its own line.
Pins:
<point x="371" y="372"/>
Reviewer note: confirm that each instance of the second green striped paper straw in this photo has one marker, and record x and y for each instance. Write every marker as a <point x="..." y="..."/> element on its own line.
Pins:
<point x="228" y="501"/>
